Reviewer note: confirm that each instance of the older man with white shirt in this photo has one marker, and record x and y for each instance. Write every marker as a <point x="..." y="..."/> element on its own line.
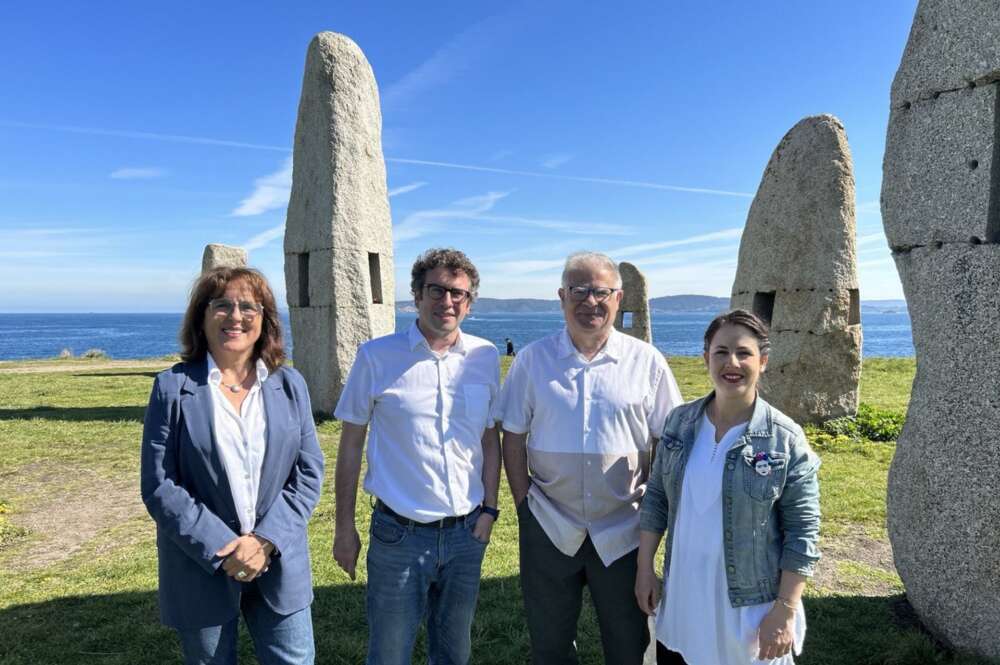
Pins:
<point x="593" y="401"/>
<point x="427" y="394"/>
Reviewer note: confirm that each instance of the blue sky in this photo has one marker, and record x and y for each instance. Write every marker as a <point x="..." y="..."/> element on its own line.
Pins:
<point x="133" y="134"/>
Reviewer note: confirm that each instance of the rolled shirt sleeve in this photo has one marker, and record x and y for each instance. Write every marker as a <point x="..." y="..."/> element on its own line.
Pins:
<point x="515" y="410"/>
<point x="357" y="399"/>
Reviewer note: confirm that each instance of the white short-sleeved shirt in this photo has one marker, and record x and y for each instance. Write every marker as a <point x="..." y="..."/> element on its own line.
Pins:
<point x="589" y="425"/>
<point x="427" y="414"/>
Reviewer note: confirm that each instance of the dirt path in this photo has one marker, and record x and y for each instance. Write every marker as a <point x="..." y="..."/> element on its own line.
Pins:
<point x="33" y="367"/>
<point x="858" y="564"/>
<point x="64" y="508"/>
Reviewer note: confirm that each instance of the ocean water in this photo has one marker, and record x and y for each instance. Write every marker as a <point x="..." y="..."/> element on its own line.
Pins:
<point x="24" y="336"/>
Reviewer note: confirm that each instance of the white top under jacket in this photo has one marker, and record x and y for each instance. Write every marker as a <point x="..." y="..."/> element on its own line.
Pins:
<point x="241" y="439"/>
<point x="590" y="424"/>
<point x="695" y="617"/>
<point x="427" y="414"/>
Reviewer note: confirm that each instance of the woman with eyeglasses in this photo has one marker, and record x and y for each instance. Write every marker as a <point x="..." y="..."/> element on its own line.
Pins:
<point x="734" y="486"/>
<point x="231" y="472"/>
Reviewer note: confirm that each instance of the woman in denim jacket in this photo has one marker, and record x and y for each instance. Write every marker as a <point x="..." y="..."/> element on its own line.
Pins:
<point x="734" y="485"/>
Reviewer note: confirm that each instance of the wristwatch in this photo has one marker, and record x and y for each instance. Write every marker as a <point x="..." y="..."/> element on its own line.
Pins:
<point x="492" y="512"/>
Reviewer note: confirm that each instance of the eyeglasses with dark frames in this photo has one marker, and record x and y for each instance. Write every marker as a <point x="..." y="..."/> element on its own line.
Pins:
<point x="580" y="293"/>
<point x="436" y="292"/>
<point x="220" y="307"/>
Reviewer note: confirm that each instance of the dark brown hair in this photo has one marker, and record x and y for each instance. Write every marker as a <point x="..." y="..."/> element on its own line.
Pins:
<point x="740" y="317"/>
<point x="211" y="284"/>
<point x="439" y="257"/>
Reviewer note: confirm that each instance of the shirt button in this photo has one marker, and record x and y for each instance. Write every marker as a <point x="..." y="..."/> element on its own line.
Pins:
<point x="730" y="466"/>
<point x="731" y="569"/>
<point x="589" y="495"/>
<point x="588" y="462"/>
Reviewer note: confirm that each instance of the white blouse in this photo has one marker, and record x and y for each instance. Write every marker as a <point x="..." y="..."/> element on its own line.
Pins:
<point x="695" y="617"/>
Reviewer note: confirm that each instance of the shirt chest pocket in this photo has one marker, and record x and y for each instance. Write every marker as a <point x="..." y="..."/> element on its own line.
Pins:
<point x="763" y="478"/>
<point x="477" y="403"/>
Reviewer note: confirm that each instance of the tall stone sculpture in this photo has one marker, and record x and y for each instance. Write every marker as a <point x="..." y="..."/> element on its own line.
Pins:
<point x="217" y="256"/>
<point x="633" y="315"/>
<point x="941" y="212"/>
<point x="798" y="270"/>
<point x="338" y="234"/>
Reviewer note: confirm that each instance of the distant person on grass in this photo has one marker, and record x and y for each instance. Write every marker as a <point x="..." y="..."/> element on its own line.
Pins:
<point x="593" y="401"/>
<point x="433" y="465"/>
<point x="510" y="348"/>
<point x="734" y="485"/>
<point x="231" y="472"/>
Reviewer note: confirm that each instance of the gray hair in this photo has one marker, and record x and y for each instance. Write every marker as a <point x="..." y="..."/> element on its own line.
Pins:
<point x="578" y="260"/>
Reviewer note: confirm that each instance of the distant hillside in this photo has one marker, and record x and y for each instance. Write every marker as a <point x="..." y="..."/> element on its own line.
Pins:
<point x="689" y="303"/>
<point x="661" y="305"/>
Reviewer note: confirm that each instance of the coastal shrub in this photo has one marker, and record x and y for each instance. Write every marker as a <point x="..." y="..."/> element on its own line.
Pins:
<point x="871" y="423"/>
<point x="94" y="354"/>
<point x="65" y="353"/>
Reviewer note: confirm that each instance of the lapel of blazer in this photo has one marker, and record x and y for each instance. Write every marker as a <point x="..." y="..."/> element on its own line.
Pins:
<point x="277" y="412"/>
<point x="196" y="407"/>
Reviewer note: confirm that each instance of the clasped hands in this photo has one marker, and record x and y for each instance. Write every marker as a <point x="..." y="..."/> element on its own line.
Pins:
<point x="247" y="557"/>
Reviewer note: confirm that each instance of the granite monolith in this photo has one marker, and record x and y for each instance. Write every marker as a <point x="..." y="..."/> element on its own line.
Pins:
<point x="941" y="213"/>
<point x="338" y="234"/>
<point x="218" y="256"/>
<point x="798" y="271"/>
<point x="633" y="313"/>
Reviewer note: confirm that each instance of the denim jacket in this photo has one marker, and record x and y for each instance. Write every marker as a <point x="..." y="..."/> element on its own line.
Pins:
<point x="770" y="522"/>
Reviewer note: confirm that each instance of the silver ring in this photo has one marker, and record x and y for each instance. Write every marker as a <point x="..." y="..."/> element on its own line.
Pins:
<point x="240" y="575"/>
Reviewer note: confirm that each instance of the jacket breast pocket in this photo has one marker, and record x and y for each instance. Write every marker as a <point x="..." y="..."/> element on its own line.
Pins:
<point x="764" y="478"/>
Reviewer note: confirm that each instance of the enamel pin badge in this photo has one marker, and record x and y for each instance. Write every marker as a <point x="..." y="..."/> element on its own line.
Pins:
<point x="762" y="464"/>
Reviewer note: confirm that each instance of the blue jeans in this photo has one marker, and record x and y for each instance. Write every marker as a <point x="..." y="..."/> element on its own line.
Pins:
<point x="278" y="639"/>
<point x="416" y="572"/>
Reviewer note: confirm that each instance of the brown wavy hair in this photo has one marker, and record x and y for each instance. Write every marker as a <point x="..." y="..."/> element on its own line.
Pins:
<point x="270" y="347"/>
<point x="443" y="257"/>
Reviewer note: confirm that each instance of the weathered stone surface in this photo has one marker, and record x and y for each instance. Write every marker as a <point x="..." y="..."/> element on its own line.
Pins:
<point x="943" y="218"/>
<point x="338" y="235"/>
<point x="952" y="44"/>
<point x="217" y="256"/>
<point x="798" y="270"/>
<point x="635" y="303"/>
<point x="937" y="169"/>
<point x="943" y="510"/>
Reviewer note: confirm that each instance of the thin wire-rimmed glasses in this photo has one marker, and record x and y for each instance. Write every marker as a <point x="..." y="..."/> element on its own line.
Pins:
<point x="220" y="307"/>
<point x="436" y="292"/>
<point x="580" y="293"/>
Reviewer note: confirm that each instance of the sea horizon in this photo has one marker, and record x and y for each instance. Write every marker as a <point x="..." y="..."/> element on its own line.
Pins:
<point x="34" y="336"/>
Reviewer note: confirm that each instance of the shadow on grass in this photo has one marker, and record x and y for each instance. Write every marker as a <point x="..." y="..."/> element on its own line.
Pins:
<point x="124" y="629"/>
<point x="76" y="413"/>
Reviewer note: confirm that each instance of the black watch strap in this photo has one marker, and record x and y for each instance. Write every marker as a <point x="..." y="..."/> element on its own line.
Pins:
<point x="492" y="512"/>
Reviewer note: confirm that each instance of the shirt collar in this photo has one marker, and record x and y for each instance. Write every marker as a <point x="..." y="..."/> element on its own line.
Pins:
<point x="215" y="374"/>
<point x="612" y="348"/>
<point x="416" y="339"/>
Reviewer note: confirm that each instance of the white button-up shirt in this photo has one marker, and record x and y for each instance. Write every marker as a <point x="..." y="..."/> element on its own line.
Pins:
<point x="241" y="439"/>
<point x="590" y="423"/>
<point x="427" y="413"/>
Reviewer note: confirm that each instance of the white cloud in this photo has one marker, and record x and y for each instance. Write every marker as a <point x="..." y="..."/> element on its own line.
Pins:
<point x="872" y="238"/>
<point x="424" y="222"/>
<point x="632" y="250"/>
<point x="145" y="173"/>
<point x="555" y="161"/>
<point x="270" y="192"/>
<point x="556" y="176"/>
<point x="475" y="208"/>
<point x="404" y="189"/>
<point x="457" y="56"/>
<point x="264" y="238"/>
<point x="151" y="136"/>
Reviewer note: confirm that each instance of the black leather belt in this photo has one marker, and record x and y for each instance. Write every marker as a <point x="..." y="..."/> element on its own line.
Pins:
<point x="443" y="523"/>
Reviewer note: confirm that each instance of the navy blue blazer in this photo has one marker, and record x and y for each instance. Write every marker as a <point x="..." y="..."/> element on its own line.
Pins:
<point x="185" y="489"/>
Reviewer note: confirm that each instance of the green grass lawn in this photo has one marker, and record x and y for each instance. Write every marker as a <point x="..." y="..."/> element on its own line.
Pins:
<point x="69" y="449"/>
